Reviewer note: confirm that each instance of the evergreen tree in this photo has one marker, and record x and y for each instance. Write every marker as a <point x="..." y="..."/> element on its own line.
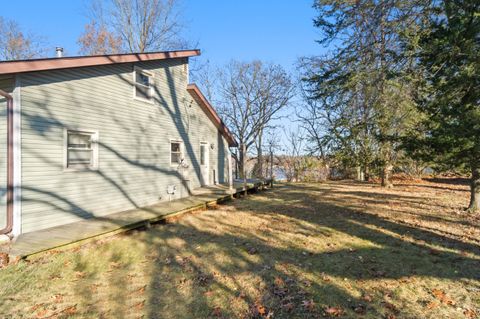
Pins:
<point x="450" y="56"/>
<point x="362" y="89"/>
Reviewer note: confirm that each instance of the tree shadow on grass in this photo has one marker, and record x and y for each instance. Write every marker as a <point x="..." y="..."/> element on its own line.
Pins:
<point x="289" y="251"/>
<point x="208" y="269"/>
<point x="337" y="210"/>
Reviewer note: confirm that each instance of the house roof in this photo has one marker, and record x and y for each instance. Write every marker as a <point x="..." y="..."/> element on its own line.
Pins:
<point x="21" y="66"/>
<point x="211" y="113"/>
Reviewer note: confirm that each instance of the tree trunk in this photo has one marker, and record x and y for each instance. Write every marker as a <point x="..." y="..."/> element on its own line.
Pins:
<point x="241" y="161"/>
<point x="387" y="175"/>
<point x="366" y="175"/>
<point x="474" y="190"/>
<point x="259" y="172"/>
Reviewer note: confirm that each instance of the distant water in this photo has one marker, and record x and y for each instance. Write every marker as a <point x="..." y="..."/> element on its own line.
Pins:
<point x="279" y="174"/>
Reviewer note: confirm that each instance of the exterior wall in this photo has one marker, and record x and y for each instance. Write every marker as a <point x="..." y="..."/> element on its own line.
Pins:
<point x="6" y="84"/>
<point x="134" y="167"/>
<point x="202" y="130"/>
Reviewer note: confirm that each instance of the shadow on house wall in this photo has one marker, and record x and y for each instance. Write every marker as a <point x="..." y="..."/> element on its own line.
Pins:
<point x="145" y="155"/>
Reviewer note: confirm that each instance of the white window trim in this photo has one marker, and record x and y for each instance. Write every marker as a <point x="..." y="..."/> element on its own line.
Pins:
<point x="182" y="154"/>
<point x="95" y="161"/>
<point x="152" y="84"/>
<point x="206" y="159"/>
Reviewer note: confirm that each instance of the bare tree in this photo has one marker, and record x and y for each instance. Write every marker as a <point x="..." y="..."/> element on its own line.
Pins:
<point x="204" y="75"/>
<point x="15" y="44"/>
<point x="96" y="39"/>
<point x="292" y="161"/>
<point x="250" y="97"/>
<point x="133" y="26"/>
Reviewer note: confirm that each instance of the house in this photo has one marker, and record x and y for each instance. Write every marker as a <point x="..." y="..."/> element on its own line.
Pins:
<point x="89" y="136"/>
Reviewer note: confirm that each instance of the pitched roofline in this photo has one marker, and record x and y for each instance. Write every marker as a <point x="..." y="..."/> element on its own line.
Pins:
<point x="21" y="66"/>
<point x="212" y="114"/>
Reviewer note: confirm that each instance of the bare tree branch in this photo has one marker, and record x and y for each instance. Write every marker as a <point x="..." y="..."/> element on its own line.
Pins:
<point x="15" y="44"/>
<point x="133" y="26"/>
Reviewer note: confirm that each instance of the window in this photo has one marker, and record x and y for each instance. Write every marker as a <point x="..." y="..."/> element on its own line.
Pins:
<point x="81" y="150"/>
<point x="203" y="150"/>
<point x="175" y="153"/>
<point x="143" y="85"/>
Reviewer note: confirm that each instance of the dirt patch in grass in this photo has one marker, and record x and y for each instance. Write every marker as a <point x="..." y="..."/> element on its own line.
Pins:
<point x="338" y="249"/>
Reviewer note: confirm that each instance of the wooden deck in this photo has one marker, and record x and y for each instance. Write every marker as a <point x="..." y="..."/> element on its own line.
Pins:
<point x="79" y="233"/>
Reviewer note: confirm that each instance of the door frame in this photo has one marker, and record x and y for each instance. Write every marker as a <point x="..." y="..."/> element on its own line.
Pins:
<point x="205" y="168"/>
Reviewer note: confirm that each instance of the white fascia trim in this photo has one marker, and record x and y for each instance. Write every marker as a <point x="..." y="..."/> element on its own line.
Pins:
<point x="17" y="157"/>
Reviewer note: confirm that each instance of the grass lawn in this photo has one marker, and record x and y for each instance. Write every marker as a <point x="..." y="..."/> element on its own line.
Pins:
<point x="337" y="249"/>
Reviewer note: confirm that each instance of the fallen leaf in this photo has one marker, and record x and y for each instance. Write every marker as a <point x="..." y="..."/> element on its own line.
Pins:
<point x="94" y="288"/>
<point x="367" y="298"/>
<point x="432" y="304"/>
<point x="79" y="274"/>
<point x="41" y="313"/>
<point x="58" y="298"/>
<point x="470" y="313"/>
<point x="36" y="306"/>
<point x="70" y="310"/>
<point x="139" y="291"/>
<point x="442" y="296"/>
<point x="257" y="310"/>
<point x="140" y="305"/>
<point x="279" y="282"/>
<point x="334" y="311"/>
<point x="324" y="277"/>
<point x="217" y="311"/>
<point x="389" y="305"/>
<point x="288" y="306"/>
<point x="260" y="309"/>
<point x="308" y="304"/>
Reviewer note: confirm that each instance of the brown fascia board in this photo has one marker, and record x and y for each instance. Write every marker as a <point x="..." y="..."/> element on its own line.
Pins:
<point x="22" y="66"/>
<point x="212" y="114"/>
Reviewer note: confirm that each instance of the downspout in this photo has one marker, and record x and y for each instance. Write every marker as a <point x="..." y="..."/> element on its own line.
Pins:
<point x="9" y="226"/>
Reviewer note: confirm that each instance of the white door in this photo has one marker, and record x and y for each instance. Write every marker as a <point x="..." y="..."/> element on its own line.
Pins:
<point x="204" y="163"/>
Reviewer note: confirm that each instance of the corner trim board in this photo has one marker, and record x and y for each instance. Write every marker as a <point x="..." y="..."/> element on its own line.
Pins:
<point x="17" y="156"/>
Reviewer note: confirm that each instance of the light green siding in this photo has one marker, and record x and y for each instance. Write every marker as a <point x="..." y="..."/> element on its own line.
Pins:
<point x="204" y="131"/>
<point x="134" y="141"/>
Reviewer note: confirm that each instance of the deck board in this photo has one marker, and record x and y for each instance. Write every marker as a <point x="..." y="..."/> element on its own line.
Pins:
<point x="81" y="232"/>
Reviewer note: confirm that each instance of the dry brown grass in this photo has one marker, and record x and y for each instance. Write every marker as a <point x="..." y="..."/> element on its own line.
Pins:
<point x="338" y="249"/>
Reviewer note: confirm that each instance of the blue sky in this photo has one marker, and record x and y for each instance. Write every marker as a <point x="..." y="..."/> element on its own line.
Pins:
<point x="277" y="31"/>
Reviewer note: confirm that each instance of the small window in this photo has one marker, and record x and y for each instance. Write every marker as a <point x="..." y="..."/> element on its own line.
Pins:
<point x="81" y="150"/>
<point x="175" y="153"/>
<point x="143" y="85"/>
<point x="203" y="150"/>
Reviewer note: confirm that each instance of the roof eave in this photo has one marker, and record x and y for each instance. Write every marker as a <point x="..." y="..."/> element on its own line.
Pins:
<point x="12" y="67"/>
<point x="193" y="88"/>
